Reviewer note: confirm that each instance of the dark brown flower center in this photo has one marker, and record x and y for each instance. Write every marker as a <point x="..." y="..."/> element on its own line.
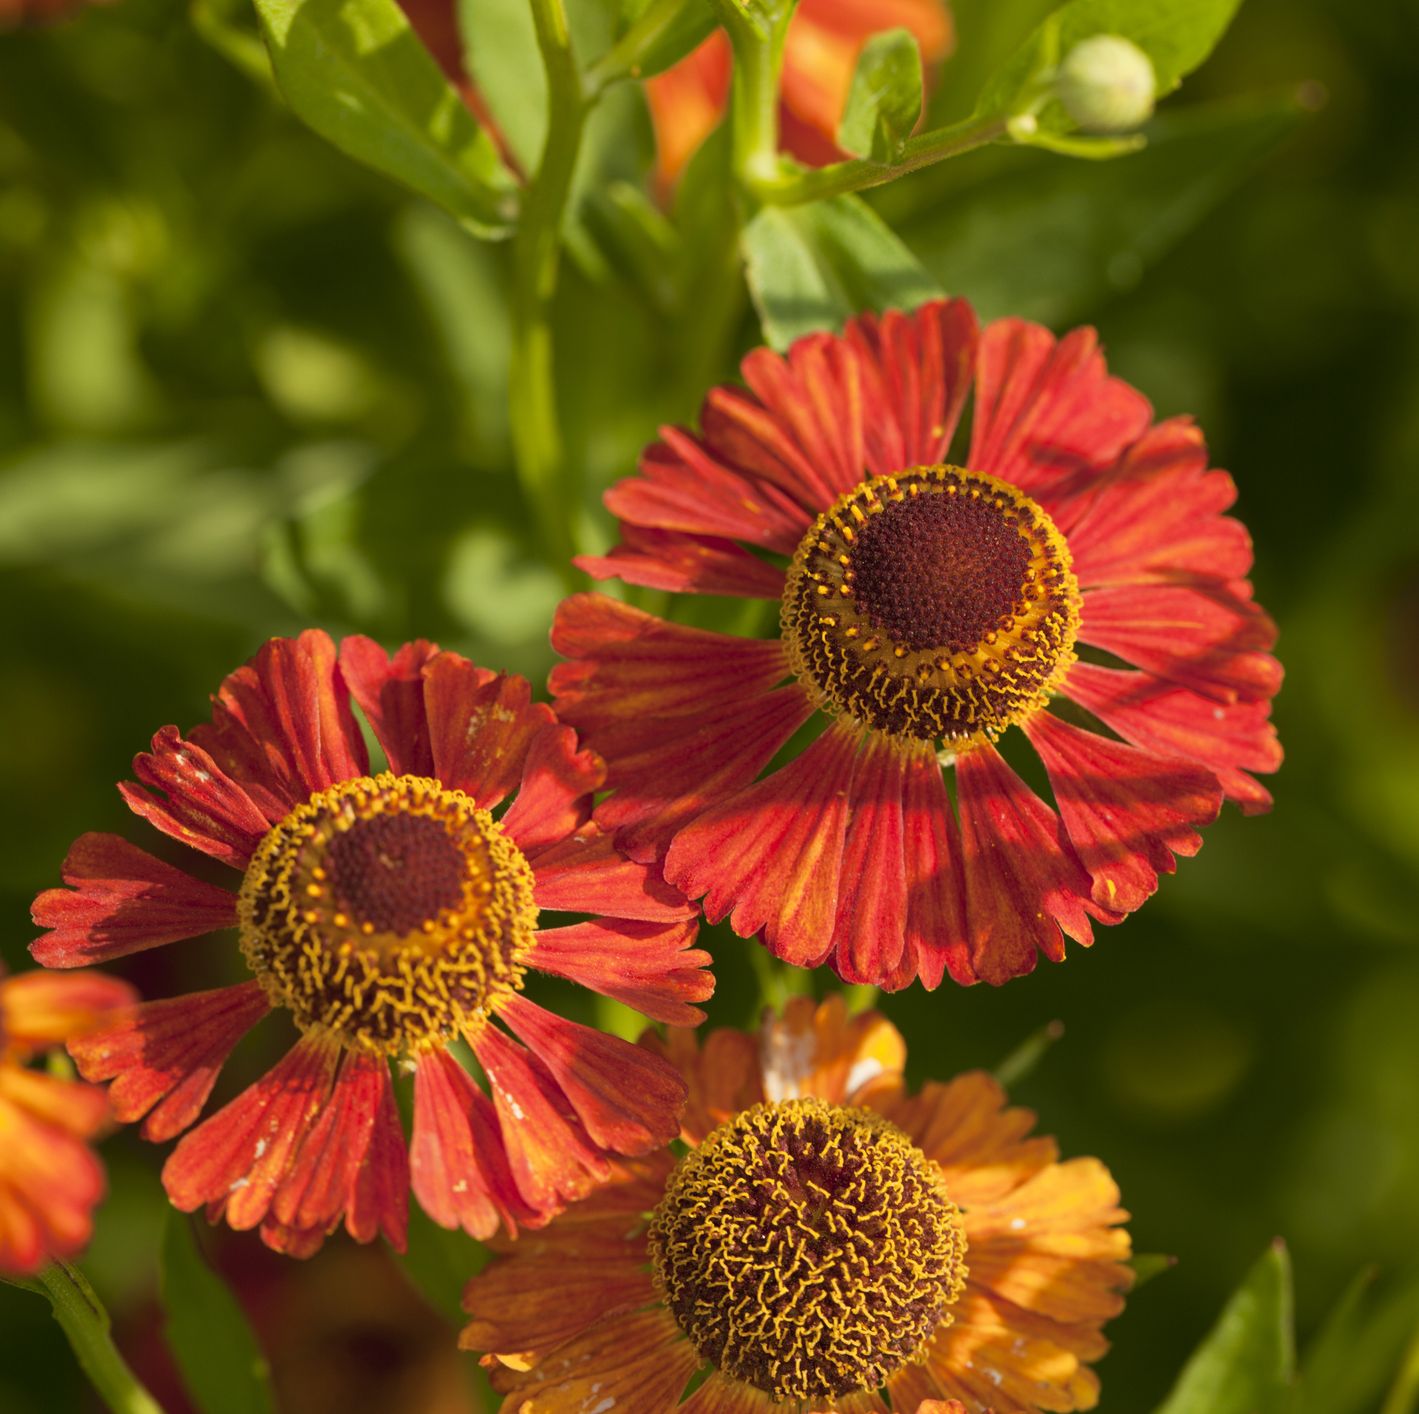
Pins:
<point x="394" y="871"/>
<point x="808" y="1250"/>
<point x="936" y="603"/>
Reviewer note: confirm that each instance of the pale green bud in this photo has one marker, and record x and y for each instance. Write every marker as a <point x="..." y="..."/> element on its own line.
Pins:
<point x="1106" y="84"/>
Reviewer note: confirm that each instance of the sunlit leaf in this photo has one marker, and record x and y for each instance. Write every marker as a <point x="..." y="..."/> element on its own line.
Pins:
<point x="884" y="101"/>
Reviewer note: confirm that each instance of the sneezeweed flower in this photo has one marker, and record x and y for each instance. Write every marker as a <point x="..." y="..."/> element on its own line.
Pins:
<point x="50" y="1179"/>
<point x="390" y="915"/>
<point x="825" y="1240"/>
<point x="824" y="40"/>
<point x="1074" y="578"/>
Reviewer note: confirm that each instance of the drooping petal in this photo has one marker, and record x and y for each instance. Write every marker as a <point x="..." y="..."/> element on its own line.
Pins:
<point x="587" y="873"/>
<point x="552" y="1158"/>
<point x="169" y="1052"/>
<point x="649" y="966"/>
<point x="629" y="1100"/>
<point x="1209" y="638"/>
<point x="918" y="372"/>
<point x="558" y="780"/>
<point x="282" y="726"/>
<point x="869" y="940"/>
<point x="936" y="935"/>
<point x="199" y="804"/>
<point x="121" y="900"/>
<point x="327" y="1173"/>
<point x="1128" y="812"/>
<point x="1227" y="738"/>
<point x="1024" y="885"/>
<point x="238" y="1158"/>
<point x="39" y="1010"/>
<point x="390" y="692"/>
<point x="770" y="857"/>
<point x="819" y="1050"/>
<point x="684" y="564"/>
<point x="457" y="1159"/>
<point x="1158" y="515"/>
<point x="481" y="725"/>
<point x="1048" y="418"/>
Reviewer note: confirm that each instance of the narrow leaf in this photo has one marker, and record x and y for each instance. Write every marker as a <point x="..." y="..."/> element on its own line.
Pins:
<point x="1246" y="1364"/>
<point x="356" y="72"/>
<point x="207" y="1331"/>
<point x="885" y="99"/>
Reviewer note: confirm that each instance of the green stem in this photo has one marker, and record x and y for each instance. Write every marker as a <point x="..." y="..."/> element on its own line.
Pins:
<point x="858" y="173"/>
<point x="536" y="430"/>
<point x="84" y="1321"/>
<point x="757" y="38"/>
<point x="1403" y="1397"/>
<point x="625" y="58"/>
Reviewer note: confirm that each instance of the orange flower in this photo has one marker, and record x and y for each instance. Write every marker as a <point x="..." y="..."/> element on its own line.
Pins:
<point x="827" y="1241"/>
<point x="820" y="54"/>
<point x="50" y="1180"/>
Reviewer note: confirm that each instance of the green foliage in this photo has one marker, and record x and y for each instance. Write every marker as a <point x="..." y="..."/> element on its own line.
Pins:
<point x="1246" y="1364"/>
<point x="813" y="267"/>
<point x="355" y="71"/>
<point x="500" y="52"/>
<point x="884" y="102"/>
<point x="207" y="1331"/>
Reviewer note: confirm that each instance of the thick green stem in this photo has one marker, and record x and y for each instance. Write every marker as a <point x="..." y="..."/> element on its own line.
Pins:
<point x="536" y="429"/>
<point x="85" y="1322"/>
<point x="860" y="172"/>
<point x="624" y="59"/>
<point x="757" y="32"/>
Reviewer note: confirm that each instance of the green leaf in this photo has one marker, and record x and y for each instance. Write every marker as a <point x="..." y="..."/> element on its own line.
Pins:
<point x="1246" y="1364"/>
<point x="1176" y="35"/>
<point x="814" y="266"/>
<point x="1352" y="1358"/>
<point x="207" y="1331"/>
<point x="355" y="72"/>
<point x="667" y="30"/>
<point x="885" y="99"/>
<point x="500" y="51"/>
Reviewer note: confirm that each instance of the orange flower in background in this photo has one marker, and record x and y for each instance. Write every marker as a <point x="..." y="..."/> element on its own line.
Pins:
<point x="50" y="1180"/>
<point x="828" y="1241"/>
<point x="820" y="54"/>
<point x="390" y="913"/>
<point x="1072" y="588"/>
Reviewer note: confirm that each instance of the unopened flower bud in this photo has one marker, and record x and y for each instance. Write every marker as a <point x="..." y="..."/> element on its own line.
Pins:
<point x="1106" y="84"/>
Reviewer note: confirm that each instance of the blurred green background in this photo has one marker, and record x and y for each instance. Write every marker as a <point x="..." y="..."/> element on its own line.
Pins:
<point x="247" y="386"/>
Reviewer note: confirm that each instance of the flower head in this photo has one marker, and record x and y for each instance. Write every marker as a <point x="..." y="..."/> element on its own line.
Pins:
<point x="390" y="913"/>
<point x="825" y="1240"/>
<point x="820" y="53"/>
<point x="50" y="1181"/>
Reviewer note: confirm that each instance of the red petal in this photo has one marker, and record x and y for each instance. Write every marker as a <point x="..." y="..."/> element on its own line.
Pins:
<point x="282" y="725"/>
<point x="40" y="1010"/>
<point x="1158" y="515"/>
<point x="1127" y="811"/>
<point x="685" y="486"/>
<point x="1023" y="883"/>
<point x="648" y="966"/>
<point x="334" y="1162"/>
<point x="458" y="1161"/>
<point x="390" y="691"/>
<point x="1048" y="418"/>
<point x="918" y="372"/>
<point x="203" y="807"/>
<point x="481" y="725"/>
<point x="557" y="785"/>
<point x="629" y="1100"/>
<point x="239" y="1157"/>
<point x="121" y="901"/>
<point x="170" y="1051"/>
<point x="772" y="854"/>
<point x="552" y="1159"/>
<point x="587" y="873"/>
<point x="870" y="938"/>
<point x="936" y="906"/>
<point x="50" y="1183"/>
<point x="1210" y="639"/>
<point x="1172" y="721"/>
<point x="685" y="564"/>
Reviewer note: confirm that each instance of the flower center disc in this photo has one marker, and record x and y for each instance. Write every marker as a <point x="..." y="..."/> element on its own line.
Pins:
<point x="933" y="603"/>
<point x="390" y="911"/>
<point x="808" y="1250"/>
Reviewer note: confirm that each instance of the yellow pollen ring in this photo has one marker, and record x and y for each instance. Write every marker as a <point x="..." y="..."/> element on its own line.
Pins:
<point x="389" y="911"/>
<point x="935" y="603"/>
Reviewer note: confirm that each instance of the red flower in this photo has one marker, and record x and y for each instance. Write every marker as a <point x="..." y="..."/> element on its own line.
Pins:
<point x="820" y="53"/>
<point x="50" y="1181"/>
<point x="390" y="914"/>
<point x="925" y="609"/>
